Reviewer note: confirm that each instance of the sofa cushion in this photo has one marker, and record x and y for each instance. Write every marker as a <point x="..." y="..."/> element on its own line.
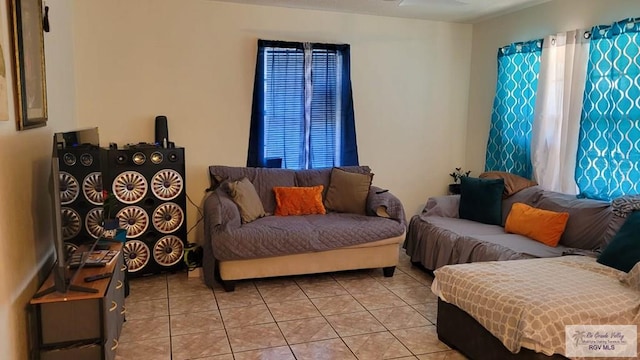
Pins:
<point x="529" y="196"/>
<point x="313" y="177"/>
<point x="512" y="182"/>
<point x="540" y="225"/>
<point x="624" y="250"/>
<point x="588" y="219"/>
<point x="263" y="179"/>
<point x="285" y="235"/>
<point x="244" y="195"/>
<point x="299" y="200"/>
<point x="348" y="192"/>
<point x="481" y="200"/>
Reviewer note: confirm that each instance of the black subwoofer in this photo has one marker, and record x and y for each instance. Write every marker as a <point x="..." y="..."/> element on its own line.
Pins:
<point x="148" y="182"/>
<point x="80" y="194"/>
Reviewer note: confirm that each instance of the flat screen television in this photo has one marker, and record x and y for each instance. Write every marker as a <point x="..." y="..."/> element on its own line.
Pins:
<point x="62" y="273"/>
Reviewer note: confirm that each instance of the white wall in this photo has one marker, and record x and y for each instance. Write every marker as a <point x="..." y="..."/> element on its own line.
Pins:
<point x="532" y="23"/>
<point x="25" y="216"/>
<point x="194" y="61"/>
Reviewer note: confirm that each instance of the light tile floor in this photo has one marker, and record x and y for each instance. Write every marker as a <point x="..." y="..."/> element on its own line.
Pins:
<point x="346" y="315"/>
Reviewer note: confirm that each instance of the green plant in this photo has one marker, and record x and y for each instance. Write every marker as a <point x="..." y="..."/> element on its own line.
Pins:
<point x="459" y="174"/>
<point x="108" y="203"/>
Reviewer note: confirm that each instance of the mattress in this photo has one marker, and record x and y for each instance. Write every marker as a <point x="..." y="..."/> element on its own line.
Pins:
<point x="528" y="303"/>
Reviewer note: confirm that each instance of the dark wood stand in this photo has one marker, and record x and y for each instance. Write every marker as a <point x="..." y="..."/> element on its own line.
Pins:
<point x="80" y="325"/>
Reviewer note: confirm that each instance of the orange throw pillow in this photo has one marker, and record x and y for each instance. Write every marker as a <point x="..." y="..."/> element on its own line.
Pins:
<point x="299" y="200"/>
<point x="541" y="225"/>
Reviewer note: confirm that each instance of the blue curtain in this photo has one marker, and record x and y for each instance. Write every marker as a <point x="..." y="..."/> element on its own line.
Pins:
<point x="508" y="147"/>
<point x="608" y="163"/>
<point x="302" y="106"/>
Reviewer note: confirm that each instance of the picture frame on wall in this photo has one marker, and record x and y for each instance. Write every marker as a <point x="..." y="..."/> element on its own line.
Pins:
<point x="29" y="64"/>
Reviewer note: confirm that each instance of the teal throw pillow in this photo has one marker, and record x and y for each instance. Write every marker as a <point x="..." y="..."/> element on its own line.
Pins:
<point x="623" y="252"/>
<point x="481" y="200"/>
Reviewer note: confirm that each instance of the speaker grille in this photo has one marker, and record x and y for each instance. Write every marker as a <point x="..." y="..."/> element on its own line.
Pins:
<point x="69" y="188"/>
<point x="166" y="184"/>
<point x="136" y="255"/>
<point x="168" y="250"/>
<point x="130" y="187"/>
<point x="92" y="188"/>
<point x="93" y="222"/>
<point x="71" y="223"/>
<point x="134" y="219"/>
<point x="168" y="217"/>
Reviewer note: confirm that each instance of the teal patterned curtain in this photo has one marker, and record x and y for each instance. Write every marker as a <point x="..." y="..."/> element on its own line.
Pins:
<point x="608" y="163"/>
<point x="508" y="148"/>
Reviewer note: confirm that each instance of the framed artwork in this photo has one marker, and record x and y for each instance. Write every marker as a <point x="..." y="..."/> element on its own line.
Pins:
<point x="29" y="66"/>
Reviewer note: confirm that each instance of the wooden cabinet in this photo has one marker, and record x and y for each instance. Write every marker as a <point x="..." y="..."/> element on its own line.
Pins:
<point x="80" y="325"/>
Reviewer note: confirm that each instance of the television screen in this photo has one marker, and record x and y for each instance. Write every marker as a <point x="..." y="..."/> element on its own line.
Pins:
<point x="74" y="195"/>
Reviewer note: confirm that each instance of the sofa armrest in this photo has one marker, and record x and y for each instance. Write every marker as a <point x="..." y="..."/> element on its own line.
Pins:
<point x="220" y="212"/>
<point x="444" y="206"/>
<point x="384" y="204"/>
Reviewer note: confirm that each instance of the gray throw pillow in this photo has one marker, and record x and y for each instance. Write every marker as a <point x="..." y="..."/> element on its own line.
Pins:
<point x="348" y="192"/>
<point x="246" y="198"/>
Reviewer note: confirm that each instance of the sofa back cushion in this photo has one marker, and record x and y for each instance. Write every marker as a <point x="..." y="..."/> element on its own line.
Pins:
<point x="529" y="196"/>
<point x="265" y="179"/>
<point x="588" y="219"/>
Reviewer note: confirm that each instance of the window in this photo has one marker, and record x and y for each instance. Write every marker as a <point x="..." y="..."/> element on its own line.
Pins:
<point x="302" y="107"/>
<point x="508" y="147"/>
<point x="608" y="163"/>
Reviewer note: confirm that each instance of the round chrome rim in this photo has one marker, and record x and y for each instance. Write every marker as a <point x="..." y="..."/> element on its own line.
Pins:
<point x="134" y="219"/>
<point x="168" y="217"/>
<point x="86" y="159"/>
<point x="166" y="184"/>
<point x="69" y="188"/>
<point x="71" y="223"/>
<point x="92" y="188"/>
<point x="93" y="222"/>
<point x="138" y="158"/>
<point x="156" y="157"/>
<point x="168" y="250"/>
<point x="69" y="159"/>
<point x="136" y="255"/>
<point x="130" y="187"/>
<point x="69" y="249"/>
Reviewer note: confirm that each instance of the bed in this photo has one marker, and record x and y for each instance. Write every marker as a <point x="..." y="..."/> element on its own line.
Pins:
<point x="520" y="308"/>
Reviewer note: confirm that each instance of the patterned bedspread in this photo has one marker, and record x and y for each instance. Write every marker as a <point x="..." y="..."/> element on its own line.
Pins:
<point x="527" y="303"/>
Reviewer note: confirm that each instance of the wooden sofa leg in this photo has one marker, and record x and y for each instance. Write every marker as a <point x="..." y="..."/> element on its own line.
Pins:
<point x="388" y="271"/>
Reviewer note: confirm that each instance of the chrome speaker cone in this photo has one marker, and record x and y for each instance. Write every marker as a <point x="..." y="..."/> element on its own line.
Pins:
<point x="138" y="158"/>
<point x="69" y="249"/>
<point x="86" y="159"/>
<point x="156" y="157"/>
<point x="168" y="250"/>
<point x="167" y="184"/>
<point x="168" y="217"/>
<point x="136" y="255"/>
<point x="93" y="222"/>
<point x="69" y="188"/>
<point x="92" y="188"/>
<point x="130" y="187"/>
<point x="69" y="159"/>
<point x="134" y="219"/>
<point x="71" y="223"/>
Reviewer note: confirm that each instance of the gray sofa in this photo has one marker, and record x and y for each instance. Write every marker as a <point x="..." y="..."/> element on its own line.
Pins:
<point x="437" y="237"/>
<point x="292" y="245"/>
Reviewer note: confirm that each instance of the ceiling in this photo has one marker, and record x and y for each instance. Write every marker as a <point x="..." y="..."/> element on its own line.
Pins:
<point x="465" y="11"/>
